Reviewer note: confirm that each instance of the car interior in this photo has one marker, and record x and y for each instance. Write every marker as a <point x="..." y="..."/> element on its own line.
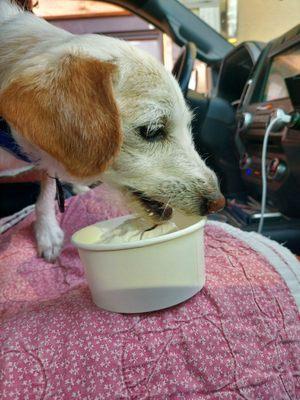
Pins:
<point x="249" y="82"/>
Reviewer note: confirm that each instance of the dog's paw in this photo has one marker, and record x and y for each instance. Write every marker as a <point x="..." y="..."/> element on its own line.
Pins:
<point x="50" y="239"/>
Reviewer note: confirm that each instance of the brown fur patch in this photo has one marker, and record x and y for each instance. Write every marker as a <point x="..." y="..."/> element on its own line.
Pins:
<point x="68" y="111"/>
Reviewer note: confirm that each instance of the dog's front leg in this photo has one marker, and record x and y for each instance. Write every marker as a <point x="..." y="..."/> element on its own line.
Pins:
<point x="48" y="234"/>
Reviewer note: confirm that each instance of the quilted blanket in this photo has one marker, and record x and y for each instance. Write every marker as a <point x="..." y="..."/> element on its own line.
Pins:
<point x="239" y="338"/>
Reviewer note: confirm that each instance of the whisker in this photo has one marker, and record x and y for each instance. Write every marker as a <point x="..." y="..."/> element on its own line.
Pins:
<point x="165" y="207"/>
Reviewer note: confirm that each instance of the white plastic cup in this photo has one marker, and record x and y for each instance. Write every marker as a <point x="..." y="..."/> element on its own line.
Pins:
<point x="145" y="275"/>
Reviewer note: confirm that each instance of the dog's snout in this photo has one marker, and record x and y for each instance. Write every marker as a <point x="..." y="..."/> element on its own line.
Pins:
<point x="216" y="205"/>
<point x="212" y="206"/>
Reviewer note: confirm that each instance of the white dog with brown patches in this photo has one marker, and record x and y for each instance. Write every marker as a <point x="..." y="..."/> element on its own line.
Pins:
<point x="87" y="108"/>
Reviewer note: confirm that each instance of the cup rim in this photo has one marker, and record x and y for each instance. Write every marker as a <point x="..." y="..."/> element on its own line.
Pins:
<point x="139" y="243"/>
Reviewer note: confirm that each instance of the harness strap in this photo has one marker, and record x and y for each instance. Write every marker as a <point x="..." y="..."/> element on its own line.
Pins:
<point x="8" y="143"/>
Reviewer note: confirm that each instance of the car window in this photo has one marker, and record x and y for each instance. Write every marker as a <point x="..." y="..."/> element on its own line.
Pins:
<point x="83" y="16"/>
<point x="283" y="66"/>
<point x="242" y="20"/>
<point x="106" y="18"/>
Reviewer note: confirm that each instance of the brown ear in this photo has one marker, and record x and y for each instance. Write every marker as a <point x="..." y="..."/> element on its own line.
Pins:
<point x="69" y="112"/>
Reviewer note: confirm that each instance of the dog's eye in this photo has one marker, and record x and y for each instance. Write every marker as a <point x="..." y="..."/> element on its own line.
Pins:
<point x="152" y="134"/>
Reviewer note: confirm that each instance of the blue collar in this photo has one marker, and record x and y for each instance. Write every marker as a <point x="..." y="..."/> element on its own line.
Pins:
<point x="8" y="143"/>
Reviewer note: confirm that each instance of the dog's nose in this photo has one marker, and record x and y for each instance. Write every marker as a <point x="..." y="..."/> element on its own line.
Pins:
<point x="216" y="205"/>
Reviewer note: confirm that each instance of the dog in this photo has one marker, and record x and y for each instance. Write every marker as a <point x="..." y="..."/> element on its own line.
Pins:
<point x="86" y="108"/>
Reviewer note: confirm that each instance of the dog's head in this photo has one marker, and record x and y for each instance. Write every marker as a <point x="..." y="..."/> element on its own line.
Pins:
<point x="123" y="120"/>
<point x="158" y="166"/>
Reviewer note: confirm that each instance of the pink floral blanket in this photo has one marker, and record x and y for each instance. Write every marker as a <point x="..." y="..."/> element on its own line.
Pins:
<point x="239" y="338"/>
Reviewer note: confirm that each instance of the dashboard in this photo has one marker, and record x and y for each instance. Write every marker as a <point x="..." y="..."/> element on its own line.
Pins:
<point x="254" y="80"/>
<point x="273" y="84"/>
<point x="229" y="128"/>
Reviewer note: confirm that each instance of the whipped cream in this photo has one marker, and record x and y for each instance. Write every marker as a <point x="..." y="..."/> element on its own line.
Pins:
<point x="131" y="230"/>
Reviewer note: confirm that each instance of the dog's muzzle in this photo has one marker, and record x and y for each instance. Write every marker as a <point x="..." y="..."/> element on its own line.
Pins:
<point x="154" y="207"/>
<point x="212" y="206"/>
<point x="164" y="211"/>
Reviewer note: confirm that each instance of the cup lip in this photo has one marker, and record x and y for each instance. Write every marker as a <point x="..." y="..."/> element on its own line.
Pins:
<point x="140" y="243"/>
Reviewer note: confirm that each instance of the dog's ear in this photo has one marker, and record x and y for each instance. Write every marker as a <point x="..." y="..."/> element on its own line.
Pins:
<point x="68" y="111"/>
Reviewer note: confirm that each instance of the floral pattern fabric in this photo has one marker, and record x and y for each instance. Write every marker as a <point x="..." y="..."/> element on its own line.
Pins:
<point x="239" y="338"/>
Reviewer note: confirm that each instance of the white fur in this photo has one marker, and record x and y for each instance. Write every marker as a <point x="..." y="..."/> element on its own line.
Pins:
<point x="48" y="234"/>
<point x="170" y="171"/>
